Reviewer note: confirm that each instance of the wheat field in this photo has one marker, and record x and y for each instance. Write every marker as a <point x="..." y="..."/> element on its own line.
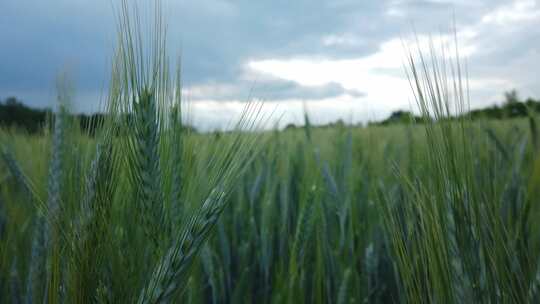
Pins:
<point x="145" y="210"/>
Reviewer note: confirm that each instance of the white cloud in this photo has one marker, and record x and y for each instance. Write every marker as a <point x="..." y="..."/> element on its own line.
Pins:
<point x="203" y="91"/>
<point x="341" y="40"/>
<point x="380" y="75"/>
<point x="518" y="11"/>
<point x="210" y="115"/>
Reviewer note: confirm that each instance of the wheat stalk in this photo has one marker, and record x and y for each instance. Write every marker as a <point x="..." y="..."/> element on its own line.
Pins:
<point x="167" y="276"/>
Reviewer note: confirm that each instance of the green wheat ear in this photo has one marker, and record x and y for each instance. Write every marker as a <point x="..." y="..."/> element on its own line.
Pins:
<point x="149" y="98"/>
<point x="167" y="278"/>
<point x="146" y="177"/>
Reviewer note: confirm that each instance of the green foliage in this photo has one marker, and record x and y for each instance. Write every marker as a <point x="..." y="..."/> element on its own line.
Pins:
<point x="402" y="117"/>
<point x="303" y="224"/>
<point x="13" y="113"/>
<point x="463" y="233"/>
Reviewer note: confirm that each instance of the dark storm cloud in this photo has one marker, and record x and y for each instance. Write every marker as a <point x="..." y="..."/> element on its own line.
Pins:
<point x="269" y="88"/>
<point x="283" y="90"/>
<point x="40" y="39"/>
<point x="217" y="36"/>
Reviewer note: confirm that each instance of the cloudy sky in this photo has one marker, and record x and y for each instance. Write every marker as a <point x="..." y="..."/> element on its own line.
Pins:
<point x="341" y="58"/>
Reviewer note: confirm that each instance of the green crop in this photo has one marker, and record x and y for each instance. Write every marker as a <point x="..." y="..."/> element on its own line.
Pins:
<point x="147" y="211"/>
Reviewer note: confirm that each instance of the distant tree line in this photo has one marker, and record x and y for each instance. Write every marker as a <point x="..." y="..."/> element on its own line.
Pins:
<point x="13" y="113"/>
<point x="338" y="123"/>
<point x="512" y="107"/>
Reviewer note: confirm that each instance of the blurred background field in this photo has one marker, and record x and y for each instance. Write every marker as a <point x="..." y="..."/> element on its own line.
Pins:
<point x="306" y="221"/>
